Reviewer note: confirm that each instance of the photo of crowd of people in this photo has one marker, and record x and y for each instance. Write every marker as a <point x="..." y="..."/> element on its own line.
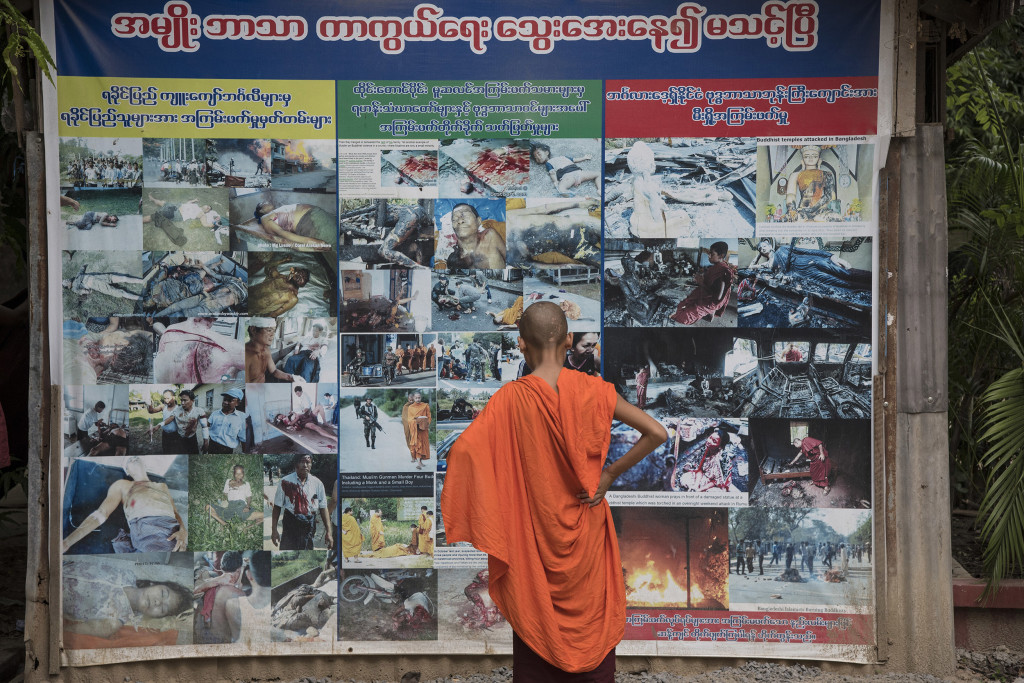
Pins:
<point x="101" y="193"/>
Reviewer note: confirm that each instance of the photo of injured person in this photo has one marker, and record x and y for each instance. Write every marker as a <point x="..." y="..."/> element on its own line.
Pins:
<point x="742" y="373"/>
<point x="97" y="283"/>
<point x="187" y="284"/>
<point x="466" y="611"/>
<point x="173" y="162"/>
<point x="137" y="600"/>
<point x="232" y="597"/>
<point x="290" y="349"/>
<point x="395" y="300"/>
<point x="480" y="359"/>
<point x="305" y="165"/>
<point x="176" y="219"/>
<point x="565" y="168"/>
<point x="283" y="220"/>
<point x="815" y="183"/>
<point x="549" y="232"/>
<point x="95" y="421"/>
<point x="387" y="359"/>
<point x="388" y="604"/>
<point x="304" y="595"/>
<point x="166" y="418"/>
<point x="385" y="533"/>
<point x="292" y="284"/>
<point x="225" y="503"/>
<point x="483" y="168"/>
<point x="811" y="463"/>
<point x="707" y="458"/>
<point x="133" y="504"/>
<point x="199" y="350"/>
<point x="658" y="188"/>
<point x="686" y="282"/>
<point x="238" y="163"/>
<point x="108" y="350"/>
<point x="414" y="168"/>
<point x="476" y="300"/>
<point x="805" y="282"/>
<point x="101" y="193"/>
<point x="674" y="558"/>
<point x="302" y="498"/>
<point x="387" y="430"/>
<point x="799" y="558"/>
<point x="470" y="234"/>
<point x="576" y="290"/>
<point x="293" y="418"/>
<point x="384" y="233"/>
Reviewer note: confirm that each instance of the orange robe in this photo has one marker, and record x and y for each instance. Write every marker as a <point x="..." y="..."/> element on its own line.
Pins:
<point x="424" y="541"/>
<point x="510" y="490"/>
<point x="417" y="432"/>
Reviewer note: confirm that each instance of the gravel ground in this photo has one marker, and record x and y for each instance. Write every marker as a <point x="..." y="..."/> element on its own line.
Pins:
<point x="998" y="664"/>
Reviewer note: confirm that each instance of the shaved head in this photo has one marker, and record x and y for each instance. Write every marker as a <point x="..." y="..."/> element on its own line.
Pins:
<point x="543" y="325"/>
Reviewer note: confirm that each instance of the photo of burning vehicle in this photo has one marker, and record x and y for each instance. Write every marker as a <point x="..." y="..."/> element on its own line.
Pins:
<point x="483" y="168"/>
<point x="658" y="188"/>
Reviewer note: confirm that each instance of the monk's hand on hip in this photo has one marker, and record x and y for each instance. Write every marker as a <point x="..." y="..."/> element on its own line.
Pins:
<point x="602" y="488"/>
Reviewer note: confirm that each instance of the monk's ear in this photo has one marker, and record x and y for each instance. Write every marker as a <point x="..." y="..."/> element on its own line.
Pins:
<point x="568" y="340"/>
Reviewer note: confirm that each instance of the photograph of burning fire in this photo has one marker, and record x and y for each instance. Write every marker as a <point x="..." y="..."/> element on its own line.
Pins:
<point x="238" y="163"/>
<point x="674" y="557"/>
<point x="304" y="165"/>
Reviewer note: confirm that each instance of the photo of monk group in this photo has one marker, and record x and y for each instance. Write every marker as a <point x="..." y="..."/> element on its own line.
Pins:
<point x="225" y="502"/>
<point x="658" y="188"/>
<point x="470" y="234"/>
<point x="101" y="193"/>
<point x="476" y="300"/>
<point x="293" y="418"/>
<point x="185" y="284"/>
<point x="483" y="168"/>
<point x="137" y="600"/>
<point x="290" y="349"/>
<point x="385" y="233"/>
<point x="283" y="220"/>
<point x="673" y="283"/>
<point x="705" y="456"/>
<point x="799" y="558"/>
<point x="387" y="430"/>
<point x="233" y="600"/>
<point x="292" y="284"/>
<point x="386" y="532"/>
<point x="480" y="359"/>
<point x="95" y="421"/>
<point x="811" y="463"/>
<point x="388" y="604"/>
<point x="108" y="350"/>
<point x="545" y="232"/>
<point x="742" y="373"/>
<point x="466" y="611"/>
<point x="394" y="300"/>
<point x="805" y="282"/>
<point x="238" y="163"/>
<point x="304" y="595"/>
<point x="300" y="491"/>
<point x="389" y="359"/>
<point x="815" y="183"/>
<point x="181" y="218"/>
<point x="674" y="558"/>
<point x="128" y="504"/>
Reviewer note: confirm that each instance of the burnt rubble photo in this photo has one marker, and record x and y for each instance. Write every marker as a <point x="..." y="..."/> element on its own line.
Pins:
<point x="742" y="373"/>
<point x="680" y="187"/>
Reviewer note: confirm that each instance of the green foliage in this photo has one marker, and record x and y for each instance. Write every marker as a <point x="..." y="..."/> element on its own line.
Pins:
<point x="985" y="208"/>
<point x="285" y="565"/>
<point x="206" y="477"/>
<point x="22" y="40"/>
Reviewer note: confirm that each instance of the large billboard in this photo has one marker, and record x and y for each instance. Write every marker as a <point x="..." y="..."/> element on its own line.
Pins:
<point x="294" y="249"/>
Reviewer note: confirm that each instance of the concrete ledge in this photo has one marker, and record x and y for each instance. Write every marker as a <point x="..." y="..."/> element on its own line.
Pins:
<point x="998" y="621"/>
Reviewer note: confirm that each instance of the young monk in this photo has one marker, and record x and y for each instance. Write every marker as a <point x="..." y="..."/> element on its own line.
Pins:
<point x="525" y="486"/>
